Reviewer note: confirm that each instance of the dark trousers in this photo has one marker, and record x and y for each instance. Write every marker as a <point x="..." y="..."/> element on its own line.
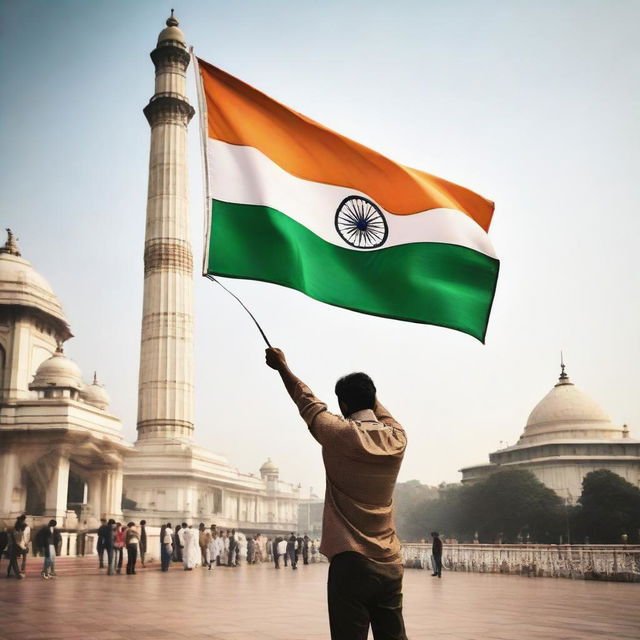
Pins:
<point x="165" y="556"/>
<point x="119" y="551"/>
<point x="293" y="557"/>
<point x="100" y="549"/>
<point x="142" y="549"/>
<point x="14" y="554"/>
<point x="109" y="551"/>
<point x="305" y="556"/>
<point x="361" y="592"/>
<point x="437" y="565"/>
<point x="276" y="559"/>
<point x="132" y="556"/>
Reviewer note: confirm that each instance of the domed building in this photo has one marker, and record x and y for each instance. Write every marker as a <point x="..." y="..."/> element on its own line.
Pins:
<point x="567" y="435"/>
<point x="61" y="452"/>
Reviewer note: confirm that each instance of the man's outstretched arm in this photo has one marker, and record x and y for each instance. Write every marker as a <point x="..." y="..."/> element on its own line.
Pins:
<point x="276" y="360"/>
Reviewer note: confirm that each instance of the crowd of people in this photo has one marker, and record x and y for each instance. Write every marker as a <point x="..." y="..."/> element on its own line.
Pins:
<point x="18" y="541"/>
<point x="188" y="546"/>
<point x="209" y="547"/>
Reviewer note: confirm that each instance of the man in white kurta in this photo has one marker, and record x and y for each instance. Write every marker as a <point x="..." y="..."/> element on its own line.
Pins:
<point x="191" y="553"/>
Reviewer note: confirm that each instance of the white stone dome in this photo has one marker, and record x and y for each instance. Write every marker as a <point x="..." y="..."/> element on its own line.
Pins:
<point x="95" y="394"/>
<point x="268" y="467"/>
<point x="172" y="32"/>
<point x="58" y="371"/>
<point x="566" y="412"/>
<point x="21" y="285"/>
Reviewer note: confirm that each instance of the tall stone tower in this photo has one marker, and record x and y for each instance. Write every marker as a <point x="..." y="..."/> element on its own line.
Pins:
<point x="165" y="392"/>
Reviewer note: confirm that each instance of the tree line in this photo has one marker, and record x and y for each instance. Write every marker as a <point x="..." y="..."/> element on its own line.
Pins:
<point x="513" y="506"/>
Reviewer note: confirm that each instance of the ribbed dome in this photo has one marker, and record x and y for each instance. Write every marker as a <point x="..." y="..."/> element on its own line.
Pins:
<point x="95" y="394"/>
<point x="58" y="371"/>
<point x="172" y="32"/>
<point x="21" y="285"/>
<point x="566" y="412"/>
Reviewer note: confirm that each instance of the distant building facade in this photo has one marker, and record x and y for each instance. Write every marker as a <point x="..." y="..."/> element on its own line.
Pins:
<point x="61" y="451"/>
<point x="567" y="435"/>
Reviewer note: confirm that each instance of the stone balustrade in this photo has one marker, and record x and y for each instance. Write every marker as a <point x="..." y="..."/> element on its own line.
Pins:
<point x="587" y="562"/>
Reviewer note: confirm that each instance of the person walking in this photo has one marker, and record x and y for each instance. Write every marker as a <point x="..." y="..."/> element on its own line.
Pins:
<point x="132" y="540"/>
<point x="282" y="552"/>
<point x="142" y="545"/>
<point x="166" y="546"/>
<point x="49" y="542"/>
<point x="436" y="553"/>
<point x="108" y="541"/>
<point x="16" y="549"/>
<point x="362" y="451"/>
<point x="27" y="543"/>
<point x="118" y="546"/>
<point x="305" y="549"/>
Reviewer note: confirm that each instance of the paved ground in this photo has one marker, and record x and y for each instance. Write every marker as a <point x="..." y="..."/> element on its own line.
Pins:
<point x="257" y="602"/>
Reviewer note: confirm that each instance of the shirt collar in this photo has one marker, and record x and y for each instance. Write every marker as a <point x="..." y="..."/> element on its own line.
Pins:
<point x="364" y="415"/>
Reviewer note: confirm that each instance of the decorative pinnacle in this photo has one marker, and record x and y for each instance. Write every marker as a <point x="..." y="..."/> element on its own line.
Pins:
<point x="563" y="375"/>
<point x="10" y="245"/>
<point x="95" y="377"/>
<point x="172" y="21"/>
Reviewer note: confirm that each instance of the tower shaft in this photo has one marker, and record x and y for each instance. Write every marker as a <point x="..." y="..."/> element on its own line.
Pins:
<point x="165" y="390"/>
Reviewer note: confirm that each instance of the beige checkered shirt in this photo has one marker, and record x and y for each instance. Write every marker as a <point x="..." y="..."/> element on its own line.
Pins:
<point x="362" y="455"/>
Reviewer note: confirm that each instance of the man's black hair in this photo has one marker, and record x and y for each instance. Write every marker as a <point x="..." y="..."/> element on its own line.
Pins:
<point x="357" y="391"/>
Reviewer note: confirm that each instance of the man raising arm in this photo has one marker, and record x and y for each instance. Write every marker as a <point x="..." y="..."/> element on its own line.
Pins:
<point x="362" y="451"/>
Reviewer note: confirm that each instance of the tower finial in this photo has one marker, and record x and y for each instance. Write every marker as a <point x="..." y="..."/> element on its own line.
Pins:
<point x="563" y="375"/>
<point x="10" y="245"/>
<point x="95" y="377"/>
<point x="172" y="21"/>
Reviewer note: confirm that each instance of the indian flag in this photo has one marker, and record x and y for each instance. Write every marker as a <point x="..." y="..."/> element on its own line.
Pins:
<point x="294" y="203"/>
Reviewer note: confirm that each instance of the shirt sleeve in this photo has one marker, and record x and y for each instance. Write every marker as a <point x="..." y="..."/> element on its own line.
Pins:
<point x="324" y="426"/>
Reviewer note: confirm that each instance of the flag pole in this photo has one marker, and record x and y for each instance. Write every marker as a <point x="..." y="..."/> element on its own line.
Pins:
<point x="203" y="119"/>
<point x="262" y="333"/>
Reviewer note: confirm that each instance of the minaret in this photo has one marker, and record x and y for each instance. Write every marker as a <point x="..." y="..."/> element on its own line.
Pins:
<point x="165" y="391"/>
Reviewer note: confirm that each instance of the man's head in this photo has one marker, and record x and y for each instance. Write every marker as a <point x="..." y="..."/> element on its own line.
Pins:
<point x="355" y="392"/>
<point x="111" y="522"/>
<point x="184" y="525"/>
<point x="143" y="522"/>
<point x="201" y="526"/>
<point x="53" y="523"/>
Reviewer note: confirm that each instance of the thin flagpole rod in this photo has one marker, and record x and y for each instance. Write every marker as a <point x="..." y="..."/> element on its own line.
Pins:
<point x="262" y="333"/>
<point x="203" y="119"/>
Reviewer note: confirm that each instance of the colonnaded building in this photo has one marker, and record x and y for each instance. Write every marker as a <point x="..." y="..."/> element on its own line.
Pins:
<point x="566" y="436"/>
<point x="62" y="454"/>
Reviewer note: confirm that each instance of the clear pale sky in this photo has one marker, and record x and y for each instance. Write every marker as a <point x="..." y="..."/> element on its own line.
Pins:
<point x="534" y="104"/>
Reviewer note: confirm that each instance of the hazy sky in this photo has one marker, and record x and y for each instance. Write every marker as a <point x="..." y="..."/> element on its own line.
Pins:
<point x="533" y="104"/>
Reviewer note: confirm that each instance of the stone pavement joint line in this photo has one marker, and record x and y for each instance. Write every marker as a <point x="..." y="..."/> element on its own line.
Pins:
<point x="260" y="603"/>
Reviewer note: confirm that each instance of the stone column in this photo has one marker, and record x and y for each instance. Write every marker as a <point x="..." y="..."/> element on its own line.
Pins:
<point x="165" y="393"/>
<point x="55" y="505"/>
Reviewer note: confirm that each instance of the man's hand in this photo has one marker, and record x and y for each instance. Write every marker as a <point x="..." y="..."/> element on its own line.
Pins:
<point x="275" y="359"/>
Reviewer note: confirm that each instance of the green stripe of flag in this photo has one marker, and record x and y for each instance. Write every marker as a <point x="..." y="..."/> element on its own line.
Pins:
<point x="431" y="283"/>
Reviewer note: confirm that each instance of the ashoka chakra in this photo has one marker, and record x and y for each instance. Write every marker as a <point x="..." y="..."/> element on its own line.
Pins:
<point x="360" y="223"/>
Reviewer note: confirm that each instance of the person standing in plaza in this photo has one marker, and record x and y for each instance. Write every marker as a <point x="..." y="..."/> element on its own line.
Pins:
<point x="191" y="551"/>
<point x="49" y="542"/>
<point x="118" y="547"/>
<point x="100" y="535"/>
<point x="203" y="543"/>
<point x="292" y="554"/>
<point x="362" y="451"/>
<point x="233" y="548"/>
<point x="166" y="546"/>
<point x="4" y="539"/>
<point x="142" y="546"/>
<point x="108" y="539"/>
<point x="16" y="549"/>
<point x="27" y="542"/>
<point x="305" y="549"/>
<point x="177" y="545"/>
<point x="282" y="552"/>
<point x="436" y="553"/>
<point x="132" y="540"/>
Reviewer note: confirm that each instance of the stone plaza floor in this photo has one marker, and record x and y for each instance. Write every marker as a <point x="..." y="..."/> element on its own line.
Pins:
<point x="258" y="602"/>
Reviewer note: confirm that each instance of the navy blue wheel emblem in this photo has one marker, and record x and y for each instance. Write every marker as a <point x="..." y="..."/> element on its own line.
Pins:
<point x="360" y="223"/>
